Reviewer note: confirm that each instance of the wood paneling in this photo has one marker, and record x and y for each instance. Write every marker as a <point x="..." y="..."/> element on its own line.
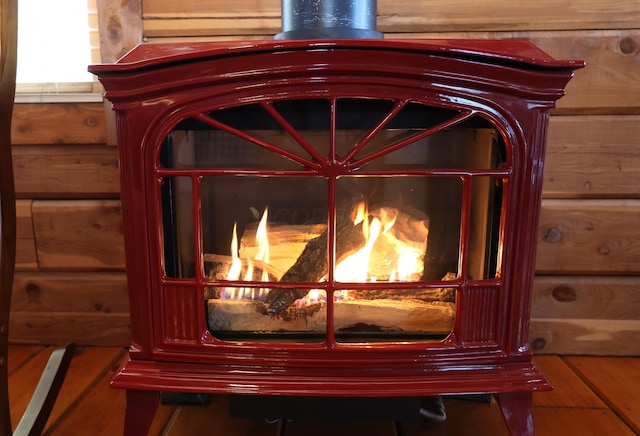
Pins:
<point x="94" y="35"/>
<point x="585" y="336"/>
<point x="588" y="157"/>
<point x="478" y="15"/>
<point x="66" y="171"/>
<point x="227" y="17"/>
<point x="79" y="235"/>
<point x="120" y="24"/>
<point x="586" y="315"/>
<point x="214" y="26"/>
<point x="102" y="329"/>
<point x="93" y="292"/>
<point x="609" y="82"/>
<point x="595" y="297"/>
<point x="575" y="237"/>
<point x="228" y="8"/>
<point x="26" y="257"/>
<point x="68" y="123"/>
<point x="586" y="299"/>
<point x="589" y="237"/>
<point x="607" y="85"/>
<point x="86" y="308"/>
<point x="593" y="157"/>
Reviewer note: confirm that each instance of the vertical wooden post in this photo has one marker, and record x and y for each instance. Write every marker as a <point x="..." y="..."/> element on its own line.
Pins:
<point x="120" y="28"/>
<point x="8" y="60"/>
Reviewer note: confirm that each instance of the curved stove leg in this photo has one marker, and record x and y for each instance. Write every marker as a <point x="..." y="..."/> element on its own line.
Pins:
<point x="517" y="412"/>
<point x="141" y="409"/>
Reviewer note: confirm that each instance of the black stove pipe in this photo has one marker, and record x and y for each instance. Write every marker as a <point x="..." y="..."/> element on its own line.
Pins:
<point x="328" y="19"/>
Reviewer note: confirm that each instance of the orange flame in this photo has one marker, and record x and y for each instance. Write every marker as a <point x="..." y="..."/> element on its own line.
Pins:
<point x="401" y="262"/>
<point x="355" y="268"/>
<point x="235" y="270"/>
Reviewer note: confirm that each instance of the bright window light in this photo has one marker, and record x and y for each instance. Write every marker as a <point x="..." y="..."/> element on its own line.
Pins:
<point x="53" y="42"/>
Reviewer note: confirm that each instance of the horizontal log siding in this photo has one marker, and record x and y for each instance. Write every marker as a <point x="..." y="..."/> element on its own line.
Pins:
<point x="166" y="18"/>
<point x="71" y="283"/>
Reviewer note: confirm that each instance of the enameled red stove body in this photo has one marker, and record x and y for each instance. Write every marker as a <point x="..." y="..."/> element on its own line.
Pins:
<point x="510" y="85"/>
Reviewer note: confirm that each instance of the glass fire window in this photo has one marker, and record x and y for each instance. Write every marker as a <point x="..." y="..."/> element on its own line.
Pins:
<point x="355" y="220"/>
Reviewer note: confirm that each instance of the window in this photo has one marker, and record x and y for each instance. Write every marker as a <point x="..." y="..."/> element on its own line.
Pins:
<point x="54" y="50"/>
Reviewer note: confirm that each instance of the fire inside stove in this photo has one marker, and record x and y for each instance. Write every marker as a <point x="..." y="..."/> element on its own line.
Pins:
<point x="355" y="219"/>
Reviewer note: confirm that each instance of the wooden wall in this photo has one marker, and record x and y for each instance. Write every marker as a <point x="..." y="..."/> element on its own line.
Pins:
<point x="71" y="284"/>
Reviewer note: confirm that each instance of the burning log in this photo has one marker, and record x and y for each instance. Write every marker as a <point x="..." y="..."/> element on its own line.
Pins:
<point x="394" y="232"/>
<point x="286" y="242"/>
<point x="385" y="244"/>
<point x="425" y="295"/>
<point x="311" y="265"/>
<point x="217" y="267"/>
<point x="301" y="251"/>
<point x="408" y="316"/>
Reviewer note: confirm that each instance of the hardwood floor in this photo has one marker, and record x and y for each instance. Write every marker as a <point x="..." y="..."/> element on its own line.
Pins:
<point x="592" y="396"/>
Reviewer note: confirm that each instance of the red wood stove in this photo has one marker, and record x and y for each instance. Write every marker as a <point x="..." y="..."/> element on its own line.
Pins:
<point x="438" y="143"/>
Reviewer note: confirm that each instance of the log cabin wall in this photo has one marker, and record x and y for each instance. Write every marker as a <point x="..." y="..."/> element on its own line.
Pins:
<point x="70" y="283"/>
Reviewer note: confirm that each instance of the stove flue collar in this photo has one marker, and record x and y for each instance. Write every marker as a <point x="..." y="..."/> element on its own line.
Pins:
<point x="328" y="19"/>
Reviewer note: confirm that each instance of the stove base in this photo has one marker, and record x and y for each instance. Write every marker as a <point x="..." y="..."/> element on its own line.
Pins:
<point x="513" y="384"/>
<point x="325" y="408"/>
<point x="516" y="409"/>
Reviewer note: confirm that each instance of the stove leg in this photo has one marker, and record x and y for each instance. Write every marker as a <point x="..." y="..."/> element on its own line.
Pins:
<point x="517" y="412"/>
<point x="141" y="409"/>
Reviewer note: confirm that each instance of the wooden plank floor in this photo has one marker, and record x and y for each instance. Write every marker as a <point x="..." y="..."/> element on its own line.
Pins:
<point x="592" y="396"/>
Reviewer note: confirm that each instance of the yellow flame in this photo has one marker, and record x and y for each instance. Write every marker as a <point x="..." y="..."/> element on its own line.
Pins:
<point x="354" y="268"/>
<point x="409" y="261"/>
<point x="236" y="263"/>
<point x="235" y="270"/>
<point x="388" y="218"/>
<point x="262" y="238"/>
<point x="361" y="213"/>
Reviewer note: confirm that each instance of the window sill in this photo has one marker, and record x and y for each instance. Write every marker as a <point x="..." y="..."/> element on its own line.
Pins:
<point x="67" y="97"/>
<point x="68" y="92"/>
